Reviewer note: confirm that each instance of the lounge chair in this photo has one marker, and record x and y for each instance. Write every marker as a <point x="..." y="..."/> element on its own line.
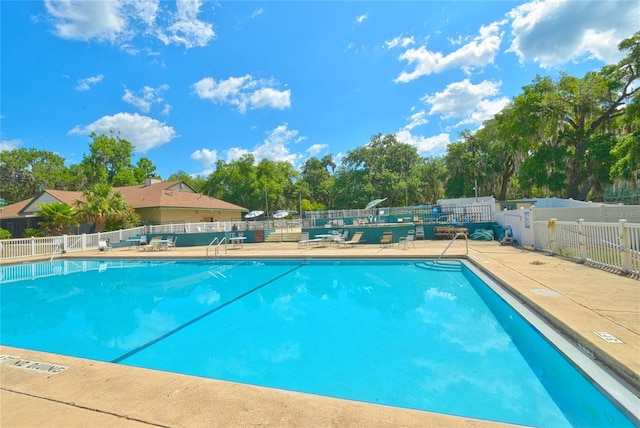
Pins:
<point x="104" y="245"/>
<point x="354" y="240"/>
<point x="171" y="241"/>
<point x="155" y="244"/>
<point x="419" y="232"/>
<point x="387" y="239"/>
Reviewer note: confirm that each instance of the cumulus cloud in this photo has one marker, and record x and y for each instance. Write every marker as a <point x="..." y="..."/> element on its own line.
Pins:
<point x="206" y="157"/>
<point x="432" y="146"/>
<point x="6" y="145"/>
<point x="186" y="29"/>
<point x="143" y="132"/>
<point x="552" y="32"/>
<point x="417" y="119"/>
<point x="474" y="103"/>
<point x="88" y="20"/>
<point x="86" y="83"/>
<point x="275" y="147"/>
<point x="146" y="97"/>
<point x="477" y="53"/>
<point x="243" y="92"/>
<point x="120" y="21"/>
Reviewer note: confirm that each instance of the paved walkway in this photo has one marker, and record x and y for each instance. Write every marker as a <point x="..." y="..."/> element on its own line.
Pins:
<point x="577" y="299"/>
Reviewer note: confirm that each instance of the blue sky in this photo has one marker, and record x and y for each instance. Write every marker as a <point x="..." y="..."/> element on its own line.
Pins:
<point x="191" y="82"/>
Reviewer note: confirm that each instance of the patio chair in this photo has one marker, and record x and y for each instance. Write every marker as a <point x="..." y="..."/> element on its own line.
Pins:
<point x="353" y="241"/>
<point x="405" y="241"/>
<point x="387" y="239"/>
<point x="171" y="241"/>
<point x="419" y="232"/>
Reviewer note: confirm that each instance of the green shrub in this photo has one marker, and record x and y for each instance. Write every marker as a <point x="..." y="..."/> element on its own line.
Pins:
<point x="31" y="232"/>
<point x="5" y="234"/>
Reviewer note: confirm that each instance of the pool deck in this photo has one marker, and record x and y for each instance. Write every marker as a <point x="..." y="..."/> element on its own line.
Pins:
<point x="577" y="299"/>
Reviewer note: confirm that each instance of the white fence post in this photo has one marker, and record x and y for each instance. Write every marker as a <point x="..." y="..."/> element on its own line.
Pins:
<point x="582" y="241"/>
<point x="551" y="226"/>
<point x="624" y="245"/>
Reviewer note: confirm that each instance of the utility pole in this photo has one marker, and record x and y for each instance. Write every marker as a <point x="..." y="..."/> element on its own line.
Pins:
<point x="475" y="187"/>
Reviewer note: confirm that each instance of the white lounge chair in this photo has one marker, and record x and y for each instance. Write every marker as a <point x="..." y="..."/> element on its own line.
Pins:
<point x="104" y="245"/>
<point x="353" y="241"/>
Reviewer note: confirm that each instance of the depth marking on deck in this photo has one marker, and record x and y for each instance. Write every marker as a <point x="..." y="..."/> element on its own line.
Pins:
<point x="607" y="337"/>
<point x="37" y="366"/>
<point x="4" y="358"/>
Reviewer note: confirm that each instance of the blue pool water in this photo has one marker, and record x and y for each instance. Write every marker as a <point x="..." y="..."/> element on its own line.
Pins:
<point x="397" y="333"/>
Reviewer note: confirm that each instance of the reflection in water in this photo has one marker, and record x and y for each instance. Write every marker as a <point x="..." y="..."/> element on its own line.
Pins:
<point x="387" y="332"/>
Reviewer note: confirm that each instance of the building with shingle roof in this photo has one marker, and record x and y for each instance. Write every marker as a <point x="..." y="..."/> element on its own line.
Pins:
<point x="155" y="201"/>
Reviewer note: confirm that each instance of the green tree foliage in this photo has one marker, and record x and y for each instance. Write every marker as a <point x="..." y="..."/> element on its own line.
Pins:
<point x="58" y="218"/>
<point x="109" y="162"/>
<point x="627" y="164"/>
<point x="24" y="172"/>
<point x="382" y="168"/>
<point x="235" y="182"/>
<point x="144" y="168"/>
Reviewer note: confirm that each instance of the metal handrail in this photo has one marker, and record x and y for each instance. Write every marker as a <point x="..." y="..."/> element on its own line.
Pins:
<point x="452" y="241"/>
<point x="217" y="247"/>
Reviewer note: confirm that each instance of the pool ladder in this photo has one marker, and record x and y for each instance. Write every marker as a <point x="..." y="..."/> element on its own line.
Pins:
<point x="218" y="242"/>
<point x="452" y="241"/>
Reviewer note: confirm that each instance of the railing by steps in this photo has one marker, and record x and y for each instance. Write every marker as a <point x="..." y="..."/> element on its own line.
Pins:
<point x="218" y="242"/>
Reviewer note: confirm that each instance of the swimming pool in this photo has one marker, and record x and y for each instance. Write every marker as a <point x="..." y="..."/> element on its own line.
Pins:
<point x="399" y="333"/>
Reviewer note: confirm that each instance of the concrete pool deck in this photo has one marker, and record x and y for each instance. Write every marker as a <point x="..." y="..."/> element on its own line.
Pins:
<point x="577" y="299"/>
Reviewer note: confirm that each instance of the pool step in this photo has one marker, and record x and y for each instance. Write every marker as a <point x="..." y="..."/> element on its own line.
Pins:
<point x="440" y="266"/>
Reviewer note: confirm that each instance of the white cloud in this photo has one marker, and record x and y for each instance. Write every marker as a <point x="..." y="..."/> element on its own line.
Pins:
<point x="143" y="132"/>
<point x="206" y="157"/>
<point x="477" y="53"/>
<point x="269" y="97"/>
<point x="399" y="41"/>
<point x="120" y="21"/>
<point x="86" y="83"/>
<point x="243" y="92"/>
<point x="463" y="99"/>
<point x="417" y="119"/>
<point x="257" y="12"/>
<point x="235" y="153"/>
<point x="6" y="145"/>
<point x="146" y="97"/>
<point x="186" y="29"/>
<point x="317" y="148"/>
<point x="552" y="32"/>
<point x="431" y="146"/>
<point x="360" y="19"/>
<point x="87" y="20"/>
<point x="275" y="147"/>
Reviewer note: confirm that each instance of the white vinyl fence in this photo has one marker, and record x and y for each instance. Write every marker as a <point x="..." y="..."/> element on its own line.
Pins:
<point x="52" y="245"/>
<point x="611" y="245"/>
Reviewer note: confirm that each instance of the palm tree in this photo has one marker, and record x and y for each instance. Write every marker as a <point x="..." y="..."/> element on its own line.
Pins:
<point x="101" y="204"/>
<point x="58" y="217"/>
